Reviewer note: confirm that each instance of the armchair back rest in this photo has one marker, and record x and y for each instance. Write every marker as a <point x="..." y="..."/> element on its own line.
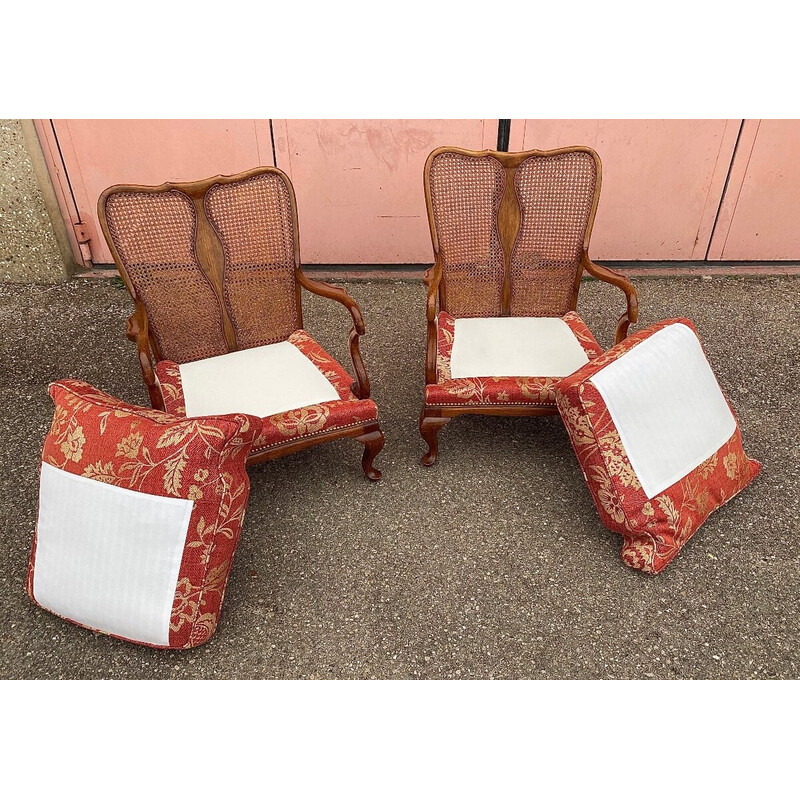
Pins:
<point x="509" y="230"/>
<point x="212" y="262"/>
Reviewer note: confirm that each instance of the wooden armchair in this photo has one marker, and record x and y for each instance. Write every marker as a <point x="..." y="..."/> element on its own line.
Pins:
<point x="510" y="238"/>
<point x="213" y="268"/>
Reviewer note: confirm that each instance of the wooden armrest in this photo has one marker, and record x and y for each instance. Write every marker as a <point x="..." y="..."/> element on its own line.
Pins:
<point x="137" y="331"/>
<point x="360" y="386"/>
<point x="431" y="279"/>
<point x="631" y="314"/>
<point x="334" y="293"/>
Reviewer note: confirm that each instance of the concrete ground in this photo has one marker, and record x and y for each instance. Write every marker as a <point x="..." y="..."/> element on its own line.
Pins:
<point x="491" y="564"/>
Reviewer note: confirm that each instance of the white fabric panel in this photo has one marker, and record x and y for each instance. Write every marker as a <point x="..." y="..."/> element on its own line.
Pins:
<point x="667" y="406"/>
<point x="108" y="557"/>
<point x="260" y="381"/>
<point x="539" y="347"/>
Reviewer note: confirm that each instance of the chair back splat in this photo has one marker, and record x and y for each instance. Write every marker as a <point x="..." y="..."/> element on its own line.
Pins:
<point x="212" y="262"/>
<point x="510" y="230"/>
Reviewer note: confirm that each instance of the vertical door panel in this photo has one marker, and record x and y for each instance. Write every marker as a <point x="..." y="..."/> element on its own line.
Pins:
<point x="60" y="181"/>
<point x="101" y="152"/>
<point x="662" y="181"/>
<point x="359" y="184"/>
<point x="758" y="220"/>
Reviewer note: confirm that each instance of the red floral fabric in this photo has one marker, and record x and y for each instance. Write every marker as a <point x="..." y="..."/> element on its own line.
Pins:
<point x="654" y="530"/>
<point x="348" y="412"/>
<point x="102" y="438"/>
<point x="496" y="390"/>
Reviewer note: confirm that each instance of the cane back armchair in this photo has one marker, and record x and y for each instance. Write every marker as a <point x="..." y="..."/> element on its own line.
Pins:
<point x="510" y="238"/>
<point x="213" y="268"/>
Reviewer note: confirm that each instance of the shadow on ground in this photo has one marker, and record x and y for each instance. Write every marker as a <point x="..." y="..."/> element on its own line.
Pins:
<point x="491" y="564"/>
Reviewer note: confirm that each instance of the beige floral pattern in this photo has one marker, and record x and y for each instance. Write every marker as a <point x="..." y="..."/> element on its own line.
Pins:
<point x="301" y="421"/>
<point x="732" y="465"/>
<point x="72" y="443"/>
<point x="129" y="446"/>
<point x="617" y="460"/>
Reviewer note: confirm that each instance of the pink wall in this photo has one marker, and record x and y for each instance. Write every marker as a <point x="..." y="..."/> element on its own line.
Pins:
<point x="102" y="152"/>
<point x="672" y="189"/>
<point x="760" y="218"/>
<point x="662" y="180"/>
<point x="359" y="187"/>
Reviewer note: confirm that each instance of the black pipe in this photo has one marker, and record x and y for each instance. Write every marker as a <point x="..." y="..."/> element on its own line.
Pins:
<point x="503" y="132"/>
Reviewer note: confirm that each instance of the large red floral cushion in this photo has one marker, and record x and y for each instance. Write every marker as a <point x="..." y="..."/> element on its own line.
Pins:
<point x="658" y="442"/>
<point x="139" y="517"/>
<point x="497" y="389"/>
<point x="293" y="423"/>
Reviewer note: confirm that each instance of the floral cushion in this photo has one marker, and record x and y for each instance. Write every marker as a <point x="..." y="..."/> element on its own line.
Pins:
<point x="658" y="443"/>
<point x="139" y="517"/>
<point x="496" y="390"/>
<point x="287" y="426"/>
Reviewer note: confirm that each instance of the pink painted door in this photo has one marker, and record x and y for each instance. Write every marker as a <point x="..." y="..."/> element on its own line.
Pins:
<point x="758" y="220"/>
<point x="92" y="154"/>
<point x="662" y="180"/>
<point x="359" y="188"/>
<point x="359" y="182"/>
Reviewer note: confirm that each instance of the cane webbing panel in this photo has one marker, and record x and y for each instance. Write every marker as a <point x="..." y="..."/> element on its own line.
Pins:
<point x="253" y="219"/>
<point x="555" y="195"/>
<point x="466" y="192"/>
<point x="154" y="235"/>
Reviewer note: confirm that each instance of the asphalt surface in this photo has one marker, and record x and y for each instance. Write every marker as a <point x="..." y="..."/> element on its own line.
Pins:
<point x="491" y="564"/>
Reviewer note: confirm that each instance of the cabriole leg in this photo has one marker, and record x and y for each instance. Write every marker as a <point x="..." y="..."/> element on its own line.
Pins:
<point x="429" y="428"/>
<point x="373" y="444"/>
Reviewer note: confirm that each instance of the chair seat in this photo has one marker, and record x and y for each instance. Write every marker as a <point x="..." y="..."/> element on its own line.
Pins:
<point x="507" y="360"/>
<point x="295" y="387"/>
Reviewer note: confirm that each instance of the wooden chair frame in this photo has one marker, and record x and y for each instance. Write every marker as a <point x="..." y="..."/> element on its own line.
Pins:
<point x="210" y="256"/>
<point x="433" y="418"/>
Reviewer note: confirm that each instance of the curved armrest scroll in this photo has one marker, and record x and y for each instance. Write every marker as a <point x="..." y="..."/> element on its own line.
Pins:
<point x="360" y="386"/>
<point x="607" y="275"/>
<point x="137" y="331"/>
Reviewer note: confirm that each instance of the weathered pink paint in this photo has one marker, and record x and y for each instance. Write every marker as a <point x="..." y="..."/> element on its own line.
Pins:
<point x="360" y="192"/>
<point x="102" y="152"/>
<point x="759" y="216"/>
<point x="60" y="182"/>
<point x="359" y="187"/>
<point x="662" y="180"/>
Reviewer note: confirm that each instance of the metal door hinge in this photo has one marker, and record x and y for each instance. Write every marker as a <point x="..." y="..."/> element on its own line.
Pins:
<point x="83" y="237"/>
<point x="81" y="232"/>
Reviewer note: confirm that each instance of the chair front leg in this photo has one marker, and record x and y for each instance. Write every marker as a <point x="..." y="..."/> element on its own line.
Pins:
<point x="429" y="426"/>
<point x="373" y="443"/>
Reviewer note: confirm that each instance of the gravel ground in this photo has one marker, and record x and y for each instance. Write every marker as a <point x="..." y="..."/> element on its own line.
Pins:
<point x="491" y="564"/>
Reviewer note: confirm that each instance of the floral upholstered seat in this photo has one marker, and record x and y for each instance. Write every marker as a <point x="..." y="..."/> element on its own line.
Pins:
<point x="318" y="400"/>
<point x="564" y="345"/>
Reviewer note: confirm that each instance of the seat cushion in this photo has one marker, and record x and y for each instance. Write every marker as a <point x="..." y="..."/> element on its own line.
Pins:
<point x="514" y="346"/>
<point x="507" y="360"/>
<point x="294" y="387"/>
<point x="658" y="442"/>
<point x="139" y="517"/>
<point x="261" y="381"/>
